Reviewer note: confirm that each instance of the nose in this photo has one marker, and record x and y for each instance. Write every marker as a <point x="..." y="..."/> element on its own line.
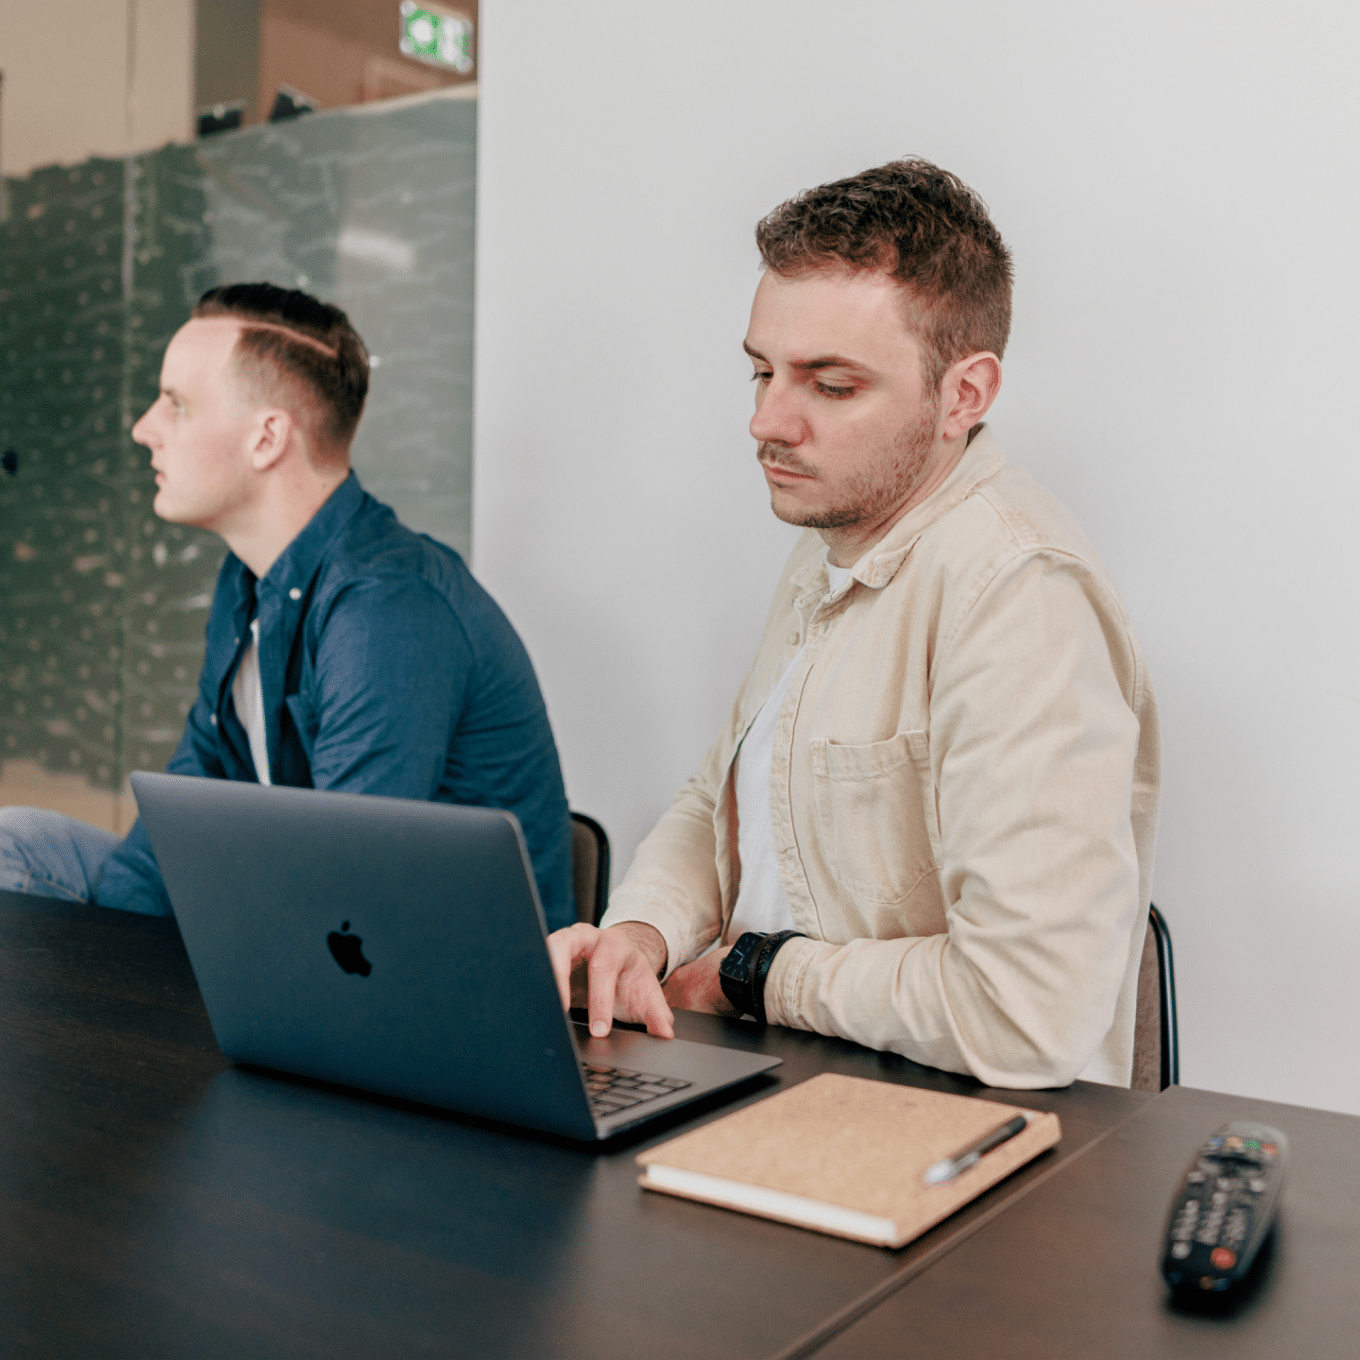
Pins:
<point x="778" y="419"/>
<point x="141" y="431"/>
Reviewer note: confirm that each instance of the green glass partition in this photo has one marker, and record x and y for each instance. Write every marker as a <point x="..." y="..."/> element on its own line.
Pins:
<point x="102" y="605"/>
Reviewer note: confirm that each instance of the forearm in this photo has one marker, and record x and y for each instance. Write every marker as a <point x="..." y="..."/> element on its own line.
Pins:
<point x="1028" y="1020"/>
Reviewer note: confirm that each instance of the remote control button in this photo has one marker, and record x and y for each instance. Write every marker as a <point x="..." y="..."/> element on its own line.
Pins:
<point x="1195" y="1177"/>
<point x="1181" y="1250"/>
<point x="1222" y="1259"/>
<point x="1220" y="1196"/>
<point x="1256" y="1186"/>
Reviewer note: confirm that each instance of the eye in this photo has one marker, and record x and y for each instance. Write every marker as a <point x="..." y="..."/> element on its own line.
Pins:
<point x="835" y="393"/>
<point x="762" y="375"/>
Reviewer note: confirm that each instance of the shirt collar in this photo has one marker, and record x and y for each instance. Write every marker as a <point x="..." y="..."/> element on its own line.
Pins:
<point x="981" y="460"/>
<point x="297" y="564"/>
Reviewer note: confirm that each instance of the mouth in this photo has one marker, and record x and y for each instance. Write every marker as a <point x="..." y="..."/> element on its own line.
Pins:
<point x="778" y="473"/>
<point x="790" y="468"/>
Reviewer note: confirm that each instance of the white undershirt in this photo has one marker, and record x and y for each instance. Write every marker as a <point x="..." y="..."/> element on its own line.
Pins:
<point x="761" y="902"/>
<point x="248" y="695"/>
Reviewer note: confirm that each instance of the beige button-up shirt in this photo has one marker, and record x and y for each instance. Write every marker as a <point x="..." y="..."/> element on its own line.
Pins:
<point x="963" y="792"/>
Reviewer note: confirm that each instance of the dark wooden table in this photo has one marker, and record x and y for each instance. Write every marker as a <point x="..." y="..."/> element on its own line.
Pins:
<point x="155" y="1201"/>
<point x="1071" y="1269"/>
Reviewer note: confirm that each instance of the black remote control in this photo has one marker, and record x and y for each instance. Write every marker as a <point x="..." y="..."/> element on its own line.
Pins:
<point x="1224" y="1206"/>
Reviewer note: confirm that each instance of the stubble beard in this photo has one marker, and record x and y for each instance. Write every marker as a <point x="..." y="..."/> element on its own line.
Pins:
<point x="873" y="491"/>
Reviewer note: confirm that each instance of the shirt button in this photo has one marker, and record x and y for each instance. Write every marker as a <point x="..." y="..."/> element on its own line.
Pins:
<point x="236" y="642"/>
<point x="295" y="594"/>
<point x="212" y="718"/>
<point x="793" y="639"/>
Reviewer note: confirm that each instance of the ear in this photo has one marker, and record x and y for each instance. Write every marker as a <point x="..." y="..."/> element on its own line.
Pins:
<point x="273" y="432"/>
<point x="969" y="389"/>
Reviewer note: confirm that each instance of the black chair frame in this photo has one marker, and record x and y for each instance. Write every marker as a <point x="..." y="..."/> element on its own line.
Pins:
<point x="1166" y="978"/>
<point x="601" y="898"/>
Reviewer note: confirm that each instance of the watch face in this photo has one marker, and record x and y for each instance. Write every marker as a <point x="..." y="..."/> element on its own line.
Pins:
<point x="738" y="960"/>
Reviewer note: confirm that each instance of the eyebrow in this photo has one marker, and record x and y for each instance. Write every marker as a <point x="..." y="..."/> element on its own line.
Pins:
<point x="814" y="365"/>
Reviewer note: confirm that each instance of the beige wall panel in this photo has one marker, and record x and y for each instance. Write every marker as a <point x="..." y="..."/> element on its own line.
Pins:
<point x="322" y="65"/>
<point x="163" y="83"/>
<point x="65" y="79"/>
<point x="24" y="783"/>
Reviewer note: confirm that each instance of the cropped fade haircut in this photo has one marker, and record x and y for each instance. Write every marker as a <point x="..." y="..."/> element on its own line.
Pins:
<point x="298" y="349"/>
<point x="926" y="229"/>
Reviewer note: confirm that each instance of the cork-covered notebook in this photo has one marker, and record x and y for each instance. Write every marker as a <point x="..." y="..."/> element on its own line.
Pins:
<point x="846" y="1156"/>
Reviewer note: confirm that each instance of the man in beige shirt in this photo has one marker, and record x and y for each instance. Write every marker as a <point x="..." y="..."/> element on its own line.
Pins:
<point x="928" y="822"/>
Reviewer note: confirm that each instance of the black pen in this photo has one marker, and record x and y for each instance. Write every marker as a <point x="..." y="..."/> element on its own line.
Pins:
<point x="950" y="1167"/>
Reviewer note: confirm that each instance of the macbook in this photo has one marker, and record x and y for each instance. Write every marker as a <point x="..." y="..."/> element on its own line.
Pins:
<point x="398" y="947"/>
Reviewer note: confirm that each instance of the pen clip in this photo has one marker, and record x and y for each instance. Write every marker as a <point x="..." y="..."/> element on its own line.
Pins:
<point x="949" y="1168"/>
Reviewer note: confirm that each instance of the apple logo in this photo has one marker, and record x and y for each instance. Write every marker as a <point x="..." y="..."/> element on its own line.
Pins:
<point x="349" y="951"/>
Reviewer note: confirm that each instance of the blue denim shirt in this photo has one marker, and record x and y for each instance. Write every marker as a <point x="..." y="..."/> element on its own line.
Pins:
<point x="386" y="669"/>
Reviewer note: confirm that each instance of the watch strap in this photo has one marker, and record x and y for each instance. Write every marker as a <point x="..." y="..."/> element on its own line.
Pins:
<point x="736" y="973"/>
<point x="771" y="945"/>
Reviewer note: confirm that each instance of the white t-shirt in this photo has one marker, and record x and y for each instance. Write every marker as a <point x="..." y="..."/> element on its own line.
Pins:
<point x="761" y="902"/>
<point x="247" y="694"/>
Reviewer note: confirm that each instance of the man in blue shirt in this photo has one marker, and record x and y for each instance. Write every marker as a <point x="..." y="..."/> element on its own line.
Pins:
<point x="343" y="650"/>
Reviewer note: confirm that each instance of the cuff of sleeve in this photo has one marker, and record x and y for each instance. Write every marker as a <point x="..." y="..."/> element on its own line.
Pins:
<point x="662" y="914"/>
<point x="784" y="984"/>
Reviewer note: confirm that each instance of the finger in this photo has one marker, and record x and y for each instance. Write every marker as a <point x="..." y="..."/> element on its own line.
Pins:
<point x="659" y="1018"/>
<point x="645" y="1000"/>
<point x="566" y="948"/>
<point x="605" y="963"/>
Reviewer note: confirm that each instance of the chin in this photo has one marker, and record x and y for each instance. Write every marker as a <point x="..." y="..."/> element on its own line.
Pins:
<point x="791" y="511"/>
<point x="164" y="508"/>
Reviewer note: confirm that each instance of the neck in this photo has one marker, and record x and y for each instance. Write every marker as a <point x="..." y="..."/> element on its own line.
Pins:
<point x="845" y="546"/>
<point x="260" y="538"/>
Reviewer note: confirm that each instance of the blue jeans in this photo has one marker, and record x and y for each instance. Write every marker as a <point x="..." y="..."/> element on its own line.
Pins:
<point x="47" y="854"/>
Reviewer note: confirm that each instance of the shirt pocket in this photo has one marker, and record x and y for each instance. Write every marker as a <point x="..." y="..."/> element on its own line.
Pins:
<point x="876" y="815"/>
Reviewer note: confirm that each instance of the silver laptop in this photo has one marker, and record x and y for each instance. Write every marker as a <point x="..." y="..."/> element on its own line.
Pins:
<point x="398" y="947"/>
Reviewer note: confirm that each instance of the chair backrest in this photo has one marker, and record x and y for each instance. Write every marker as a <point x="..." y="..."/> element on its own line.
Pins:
<point x="1156" y="1042"/>
<point x="589" y="868"/>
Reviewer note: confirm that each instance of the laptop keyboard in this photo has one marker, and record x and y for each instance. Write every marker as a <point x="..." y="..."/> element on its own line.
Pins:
<point x="616" y="1088"/>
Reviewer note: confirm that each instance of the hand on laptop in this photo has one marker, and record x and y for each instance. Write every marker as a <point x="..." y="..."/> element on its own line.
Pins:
<point x="613" y="973"/>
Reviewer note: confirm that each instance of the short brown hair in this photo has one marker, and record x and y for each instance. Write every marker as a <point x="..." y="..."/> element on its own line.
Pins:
<point x="925" y="228"/>
<point x="300" y="344"/>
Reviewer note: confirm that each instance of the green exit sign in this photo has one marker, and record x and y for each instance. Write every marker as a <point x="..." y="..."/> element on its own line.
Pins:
<point x="437" y="36"/>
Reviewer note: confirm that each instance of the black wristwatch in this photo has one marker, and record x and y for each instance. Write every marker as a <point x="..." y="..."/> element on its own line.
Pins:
<point x="746" y="966"/>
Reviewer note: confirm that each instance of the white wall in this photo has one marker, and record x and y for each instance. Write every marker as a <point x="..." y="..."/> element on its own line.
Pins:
<point x="1178" y="182"/>
<point x="66" y="79"/>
